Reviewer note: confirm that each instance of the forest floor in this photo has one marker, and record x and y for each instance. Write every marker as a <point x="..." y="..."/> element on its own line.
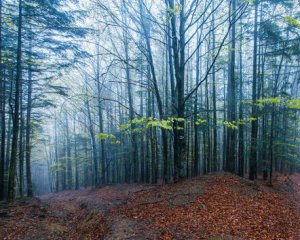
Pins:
<point x="215" y="206"/>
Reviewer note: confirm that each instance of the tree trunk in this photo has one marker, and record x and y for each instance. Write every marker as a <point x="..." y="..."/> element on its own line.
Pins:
<point x="55" y="149"/>
<point x="76" y="157"/>
<point x="231" y="99"/>
<point x="130" y="102"/>
<point x="100" y="114"/>
<point x="2" y="107"/>
<point x="196" y="128"/>
<point x="214" y="100"/>
<point x="93" y="141"/>
<point x="28" y="129"/>
<point x="15" y="131"/>
<point x="178" y="46"/>
<point x="156" y="91"/>
<point x="254" y="123"/>
<point x="69" y="158"/>
<point x="241" y="163"/>
<point x="21" y="149"/>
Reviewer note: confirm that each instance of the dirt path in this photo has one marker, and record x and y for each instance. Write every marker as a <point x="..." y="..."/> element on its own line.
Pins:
<point x="218" y="206"/>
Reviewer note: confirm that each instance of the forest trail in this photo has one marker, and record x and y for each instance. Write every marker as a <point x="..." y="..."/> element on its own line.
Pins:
<point x="215" y="206"/>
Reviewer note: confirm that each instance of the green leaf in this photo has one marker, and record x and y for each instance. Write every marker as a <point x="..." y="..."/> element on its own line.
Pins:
<point x="230" y="125"/>
<point x="165" y="124"/>
<point x="294" y="104"/>
<point x="200" y="121"/>
<point x="104" y="136"/>
<point x="269" y="100"/>
<point x="292" y="21"/>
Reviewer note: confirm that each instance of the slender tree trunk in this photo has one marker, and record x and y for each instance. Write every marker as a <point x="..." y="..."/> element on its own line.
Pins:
<point x="207" y="130"/>
<point x="254" y="124"/>
<point x="214" y="100"/>
<point x="142" y="139"/>
<point x="241" y="163"/>
<point x="130" y="102"/>
<point x="86" y="168"/>
<point x="21" y="144"/>
<point x="231" y="99"/>
<point x="172" y="85"/>
<point x="93" y="141"/>
<point x="156" y="91"/>
<point x="9" y="122"/>
<point x="150" y="143"/>
<point x="224" y="127"/>
<point x="274" y="94"/>
<point x="55" y="149"/>
<point x="15" y="131"/>
<point x="69" y="158"/>
<point x="21" y="150"/>
<point x="196" y="128"/>
<point x="76" y="157"/>
<point x="100" y="115"/>
<point x="271" y="143"/>
<point x="63" y="163"/>
<point x="2" y="107"/>
<point x="28" y="128"/>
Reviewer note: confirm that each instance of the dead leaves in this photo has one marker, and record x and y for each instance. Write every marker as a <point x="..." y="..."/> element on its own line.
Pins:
<point x="219" y="206"/>
<point x="229" y="206"/>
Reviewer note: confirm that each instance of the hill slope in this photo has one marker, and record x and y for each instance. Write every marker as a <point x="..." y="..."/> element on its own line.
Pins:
<point x="216" y="206"/>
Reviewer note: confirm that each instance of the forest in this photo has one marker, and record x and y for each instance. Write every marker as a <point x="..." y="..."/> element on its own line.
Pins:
<point x="143" y="119"/>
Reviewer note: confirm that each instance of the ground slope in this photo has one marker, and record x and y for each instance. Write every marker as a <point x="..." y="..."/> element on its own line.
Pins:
<point x="215" y="206"/>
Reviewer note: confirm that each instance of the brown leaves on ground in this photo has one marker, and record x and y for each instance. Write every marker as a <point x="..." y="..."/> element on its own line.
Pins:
<point x="228" y="206"/>
<point x="216" y="206"/>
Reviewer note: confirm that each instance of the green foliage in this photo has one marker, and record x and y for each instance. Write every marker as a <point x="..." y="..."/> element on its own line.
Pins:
<point x="104" y="136"/>
<point x="164" y="124"/>
<point x="234" y="124"/>
<point x="292" y="115"/>
<point x="111" y="137"/>
<point x="241" y="121"/>
<point x="251" y="119"/>
<point x="138" y="120"/>
<point x="141" y="124"/>
<point x="200" y="121"/>
<point x="264" y="101"/>
<point x="290" y="103"/>
<point x="123" y="127"/>
<point x="230" y="125"/>
<point x="293" y="22"/>
<point x="174" y="11"/>
<point x="293" y="104"/>
<point x="245" y="120"/>
<point x="177" y="119"/>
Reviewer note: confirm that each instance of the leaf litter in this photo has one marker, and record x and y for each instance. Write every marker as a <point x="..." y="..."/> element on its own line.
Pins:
<point x="214" y="206"/>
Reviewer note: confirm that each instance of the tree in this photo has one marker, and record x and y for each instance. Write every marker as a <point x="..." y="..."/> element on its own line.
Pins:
<point x="2" y="107"/>
<point x="231" y="98"/>
<point x="254" y="124"/>
<point x="15" y="131"/>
